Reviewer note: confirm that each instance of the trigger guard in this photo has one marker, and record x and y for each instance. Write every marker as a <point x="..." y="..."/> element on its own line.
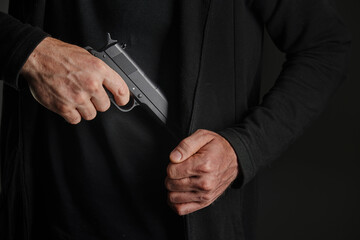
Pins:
<point x="128" y="107"/>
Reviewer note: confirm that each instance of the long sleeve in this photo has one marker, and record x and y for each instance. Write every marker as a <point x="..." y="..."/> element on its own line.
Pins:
<point x="317" y="46"/>
<point x="18" y="40"/>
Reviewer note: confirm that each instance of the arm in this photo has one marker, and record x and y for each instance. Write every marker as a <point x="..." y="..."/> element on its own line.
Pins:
<point x="317" y="47"/>
<point x="62" y="77"/>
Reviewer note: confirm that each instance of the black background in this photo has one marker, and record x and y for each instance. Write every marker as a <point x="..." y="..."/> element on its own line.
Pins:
<point x="313" y="190"/>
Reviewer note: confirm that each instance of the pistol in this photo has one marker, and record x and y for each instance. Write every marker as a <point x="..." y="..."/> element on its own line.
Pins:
<point x="142" y="91"/>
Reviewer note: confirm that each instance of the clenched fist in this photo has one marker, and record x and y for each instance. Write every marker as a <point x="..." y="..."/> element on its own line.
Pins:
<point x="202" y="166"/>
<point x="69" y="81"/>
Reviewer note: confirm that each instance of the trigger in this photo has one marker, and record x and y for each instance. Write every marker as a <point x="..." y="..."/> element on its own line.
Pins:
<point x="128" y="107"/>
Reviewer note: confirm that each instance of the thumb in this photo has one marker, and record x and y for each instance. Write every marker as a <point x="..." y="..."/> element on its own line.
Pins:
<point x="191" y="145"/>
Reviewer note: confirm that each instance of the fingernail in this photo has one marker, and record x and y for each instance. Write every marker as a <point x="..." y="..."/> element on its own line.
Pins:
<point x="176" y="156"/>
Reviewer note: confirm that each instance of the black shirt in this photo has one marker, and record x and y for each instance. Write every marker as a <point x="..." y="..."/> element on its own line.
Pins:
<point x="109" y="182"/>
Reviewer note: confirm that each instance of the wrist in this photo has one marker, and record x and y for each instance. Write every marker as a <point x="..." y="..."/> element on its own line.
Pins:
<point x="32" y="62"/>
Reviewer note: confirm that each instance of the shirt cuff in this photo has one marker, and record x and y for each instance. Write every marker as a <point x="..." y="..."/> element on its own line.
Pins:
<point x="21" y="53"/>
<point x="247" y="168"/>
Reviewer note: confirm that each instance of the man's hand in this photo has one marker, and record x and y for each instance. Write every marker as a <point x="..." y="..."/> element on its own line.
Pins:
<point x="202" y="167"/>
<point x="69" y="81"/>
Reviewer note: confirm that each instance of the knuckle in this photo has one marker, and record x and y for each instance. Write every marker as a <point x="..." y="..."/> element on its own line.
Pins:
<point x="90" y="115"/>
<point x="104" y="107"/>
<point x="72" y="118"/>
<point x="186" y="182"/>
<point x="168" y="171"/>
<point x="122" y="94"/>
<point x="61" y="108"/>
<point x="185" y="144"/>
<point x="79" y="99"/>
<point x="97" y="63"/>
<point x="92" y="85"/>
<point x="177" y="209"/>
<point x="180" y="210"/>
<point x="172" y="197"/>
<point x="102" y="104"/>
<point x="168" y="184"/>
<point x="171" y="171"/>
<point x="207" y="167"/>
<point x="205" y="197"/>
<point x="74" y="121"/>
<point x="203" y="132"/>
<point x="206" y="133"/>
<point x="206" y="185"/>
<point x="122" y="90"/>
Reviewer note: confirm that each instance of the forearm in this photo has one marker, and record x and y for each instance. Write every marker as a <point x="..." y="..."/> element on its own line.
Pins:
<point x="317" y="48"/>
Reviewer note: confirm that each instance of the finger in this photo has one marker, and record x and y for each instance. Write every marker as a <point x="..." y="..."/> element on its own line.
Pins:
<point x="101" y="101"/>
<point x="184" y="169"/>
<point x="188" y="197"/>
<point x="72" y="116"/>
<point x="186" y="208"/>
<point x="116" y="85"/>
<point x="187" y="202"/>
<point x="87" y="110"/>
<point x="195" y="166"/>
<point x="190" y="145"/>
<point x="180" y="185"/>
<point x="203" y="184"/>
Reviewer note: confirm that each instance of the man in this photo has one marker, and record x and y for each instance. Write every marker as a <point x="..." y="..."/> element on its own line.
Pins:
<point x="102" y="177"/>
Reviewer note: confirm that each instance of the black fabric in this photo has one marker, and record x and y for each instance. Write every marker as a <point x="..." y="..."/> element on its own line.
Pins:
<point x="18" y="42"/>
<point x="118" y="191"/>
<point x="96" y="189"/>
<point x="214" y="70"/>
<point x="106" y="183"/>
